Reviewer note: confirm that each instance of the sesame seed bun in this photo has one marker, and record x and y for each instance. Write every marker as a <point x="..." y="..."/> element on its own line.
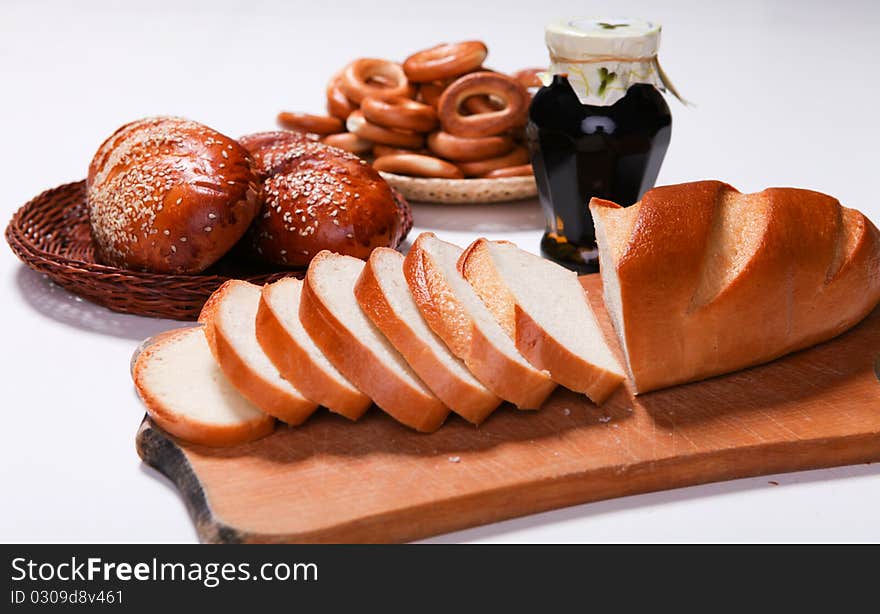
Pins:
<point x="169" y="195"/>
<point x="318" y="197"/>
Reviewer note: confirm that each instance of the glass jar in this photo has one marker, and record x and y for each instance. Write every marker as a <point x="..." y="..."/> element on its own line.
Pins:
<point x="600" y="128"/>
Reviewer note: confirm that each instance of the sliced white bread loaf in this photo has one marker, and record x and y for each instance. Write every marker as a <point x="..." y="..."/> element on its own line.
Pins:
<point x="187" y="395"/>
<point x="295" y="355"/>
<point x="700" y="279"/>
<point x="229" y="317"/>
<point x="453" y="310"/>
<point x="331" y="315"/>
<point x="544" y="309"/>
<point x="384" y="296"/>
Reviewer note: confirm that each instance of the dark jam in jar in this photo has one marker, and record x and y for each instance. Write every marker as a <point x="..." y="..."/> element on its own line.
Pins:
<point x="580" y="151"/>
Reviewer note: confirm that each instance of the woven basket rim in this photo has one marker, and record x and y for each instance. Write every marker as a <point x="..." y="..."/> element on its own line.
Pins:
<point x="467" y="181"/>
<point x="468" y="191"/>
<point x="13" y="228"/>
<point x="50" y="235"/>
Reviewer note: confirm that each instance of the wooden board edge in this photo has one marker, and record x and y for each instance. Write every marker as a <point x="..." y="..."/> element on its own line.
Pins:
<point x="159" y="451"/>
<point x="518" y="501"/>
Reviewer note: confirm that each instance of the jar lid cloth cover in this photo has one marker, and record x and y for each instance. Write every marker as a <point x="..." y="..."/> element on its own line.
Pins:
<point x="604" y="57"/>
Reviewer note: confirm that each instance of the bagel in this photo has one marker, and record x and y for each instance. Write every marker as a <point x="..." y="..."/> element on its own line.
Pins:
<point x="518" y="156"/>
<point x="462" y="149"/>
<point x="417" y="165"/>
<point x="445" y="61"/>
<point x="374" y="77"/>
<point x="304" y="122"/>
<point x="399" y="112"/>
<point x="523" y="170"/>
<point x="338" y="104"/>
<point x="359" y="125"/>
<point x="349" y="142"/>
<point x="501" y="87"/>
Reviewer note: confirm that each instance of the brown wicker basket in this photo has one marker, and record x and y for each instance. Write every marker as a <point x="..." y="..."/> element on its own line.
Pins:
<point x="463" y="191"/>
<point x="50" y="234"/>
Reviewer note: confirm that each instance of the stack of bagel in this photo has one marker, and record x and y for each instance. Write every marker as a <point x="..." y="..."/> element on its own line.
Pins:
<point x="439" y="114"/>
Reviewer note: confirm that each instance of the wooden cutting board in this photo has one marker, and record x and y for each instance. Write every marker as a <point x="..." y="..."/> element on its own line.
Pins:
<point x="376" y="481"/>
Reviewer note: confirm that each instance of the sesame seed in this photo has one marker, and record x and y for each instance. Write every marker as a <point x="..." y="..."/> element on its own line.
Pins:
<point x="212" y="216"/>
<point x="208" y="229"/>
<point x="166" y="232"/>
<point x="224" y="154"/>
<point x="179" y="200"/>
<point x="183" y="239"/>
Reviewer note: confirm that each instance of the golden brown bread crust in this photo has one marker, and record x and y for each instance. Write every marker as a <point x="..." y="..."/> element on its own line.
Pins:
<point x="539" y="347"/>
<point x="472" y="403"/>
<point x="476" y="266"/>
<point x="523" y="386"/>
<point x="441" y="310"/>
<point x="186" y="428"/>
<point x="280" y="150"/>
<point x="317" y="197"/>
<point x="712" y="280"/>
<point x="169" y="195"/>
<point x="295" y="365"/>
<point x="425" y="413"/>
<point x="277" y="402"/>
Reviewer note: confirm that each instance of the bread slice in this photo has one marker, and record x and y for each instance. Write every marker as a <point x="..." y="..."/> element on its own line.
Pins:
<point x="295" y="355"/>
<point x="544" y="309"/>
<point x="331" y="315"/>
<point x="453" y="310"/>
<point x="384" y="296"/>
<point x="187" y="395"/>
<point x="229" y="317"/>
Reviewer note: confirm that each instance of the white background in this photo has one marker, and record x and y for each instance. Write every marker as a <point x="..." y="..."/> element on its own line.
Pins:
<point x="787" y="95"/>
